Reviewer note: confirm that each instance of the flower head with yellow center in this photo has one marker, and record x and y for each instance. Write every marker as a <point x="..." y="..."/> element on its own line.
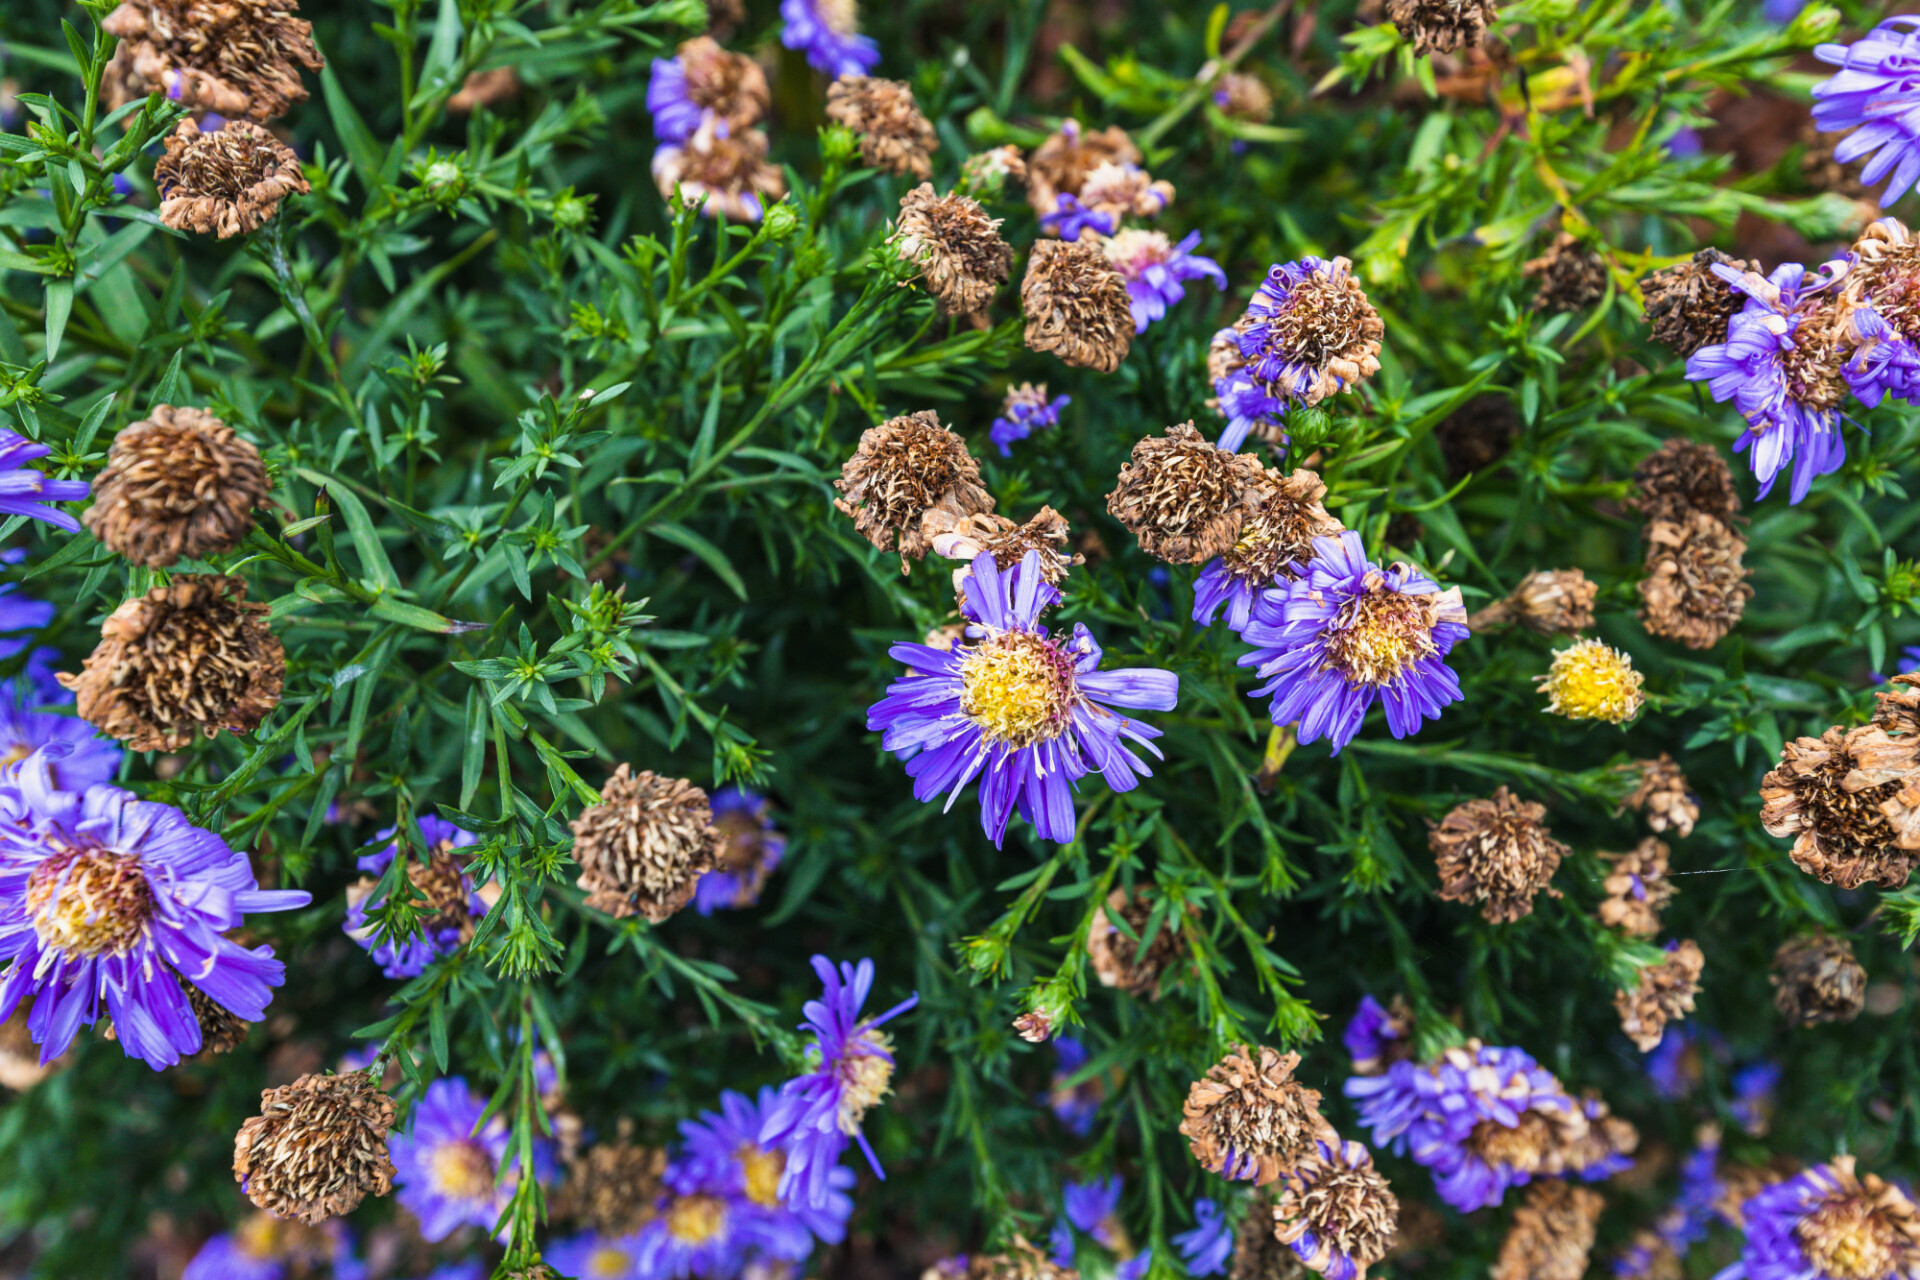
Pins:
<point x="447" y="1163"/>
<point x="1590" y="681"/>
<point x="1831" y="1223"/>
<point x="1023" y="710"/>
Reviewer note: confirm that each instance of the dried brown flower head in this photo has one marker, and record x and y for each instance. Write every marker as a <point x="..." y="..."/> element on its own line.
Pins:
<point x="1257" y="1251"/>
<point x="1664" y="797"/>
<point x="644" y="846"/>
<point x="730" y="85"/>
<point x="1477" y="435"/>
<point x="1276" y="536"/>
<point x="1224" y="358"/>
<point x="1021" y="1261"/>
<point x="1663" y="994"/>
<point x="1696" y="586"/>
<point x="1688" y="306"/>
<point x="178" y="485"/>
<point x="1886" y="274"/>
<point x="1861" y="1227"/>
<point x="1335" y="1197"/>
<point x="1637" y="889"/>
<point x="1819" y="796"/>
<point x="1816" y="979"/>
<point x="317" y="1148"/>
<point x="229" y="182"/>
<point x="1034" y="1027"/>
<point x="239" y="58"/>
<point x="1442" y="26"/>
<point x="729" y="171"/>
<point x="894" y="136"/>
<point x="487" y="88"/>
<point x="1060" y="165"/>
<point x="1124" y="191"/>
<point x="952" y="1267"/>
<point x="185" y="660"/>
<point x="1739" y="1183"/>
<point x="611" y="1187"/>
<point x="988" y="172"/>
<point x="1572" y="275"/>
<point x="1496" y="852"/>
<point x="445" y="895"/>
<point x="1551" y="1235"/>
<point x="1117" y="959"/>
<point x="958" y="247"/>
<point x="1076" y="305"/>
<point x="904" y="470"/>
<point x="1327" y="326"/>
<point x="1241" y="96"/>
<point x="975" y="535"/>
<point x="1251" y="1113"/>
<point x="1681" y="477"/>
<point x="1603" y="1137"/>
<point x="221" y="1030"/>
<point x="1548" y="602"/>
<point x="1185" y="499"/>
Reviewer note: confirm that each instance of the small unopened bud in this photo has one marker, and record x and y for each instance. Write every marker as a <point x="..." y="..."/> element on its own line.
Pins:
<point x="837" y="144"/>
<point x="781" y="221"/>
<point x="440" y="175"/>
<point x="1035" y="1027"/>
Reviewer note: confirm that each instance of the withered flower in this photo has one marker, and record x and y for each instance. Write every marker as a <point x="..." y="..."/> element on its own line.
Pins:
<point x="967" y="537"/>
<point x="1886" y="274"/>
<point x="1548" y="602"/>
<point x="1683" y="476"/>
<point x="1117" y="959"/>
<point x="1021" y="1261"/>
<point x="904" y="470"/>
<point x="1478" y="434"/>
<point x="185" y="660"/>
<point x="643" y="847"/>
<point x="1637" y="888"/>
<point x="1061" y="164"/>
<point x="1249" y="1119"/>
<point x="1664" y="797"/>
<point x="1240" y="96"/>
<point x="229" y="182"/>
<point x="1572" y="275"/>
<point x="1338" y="1203"/>
<point x="1183" y="498"/>
<point x="729" y="171"/>
<point x="882" y="114"/>
<point x="1551" y="1235"/>
<point x="1496" y="852"/>
<point x="1442" y="26"/>
<point x="730" y="85"/>
<point x="611" y="1187"/>
<point x="221" y="1030"/>
<point x="1688" y="306"/>
<point x="961" y="256"/>
<point x="1834" y="812"/>
<point x="317" y="1148"/>
<point x="1257" y="1251"/>
<point x="1076" y="305"/>
<point x="1663" y="994"/>
<point x="1034" y="1027"/>
<point x="1816" y="979"/>
<point x="487" y="88"/>
<point x="1125" y="191"/>
<point x="238" y="58"/>
<point x="1696" y="586"/>
<point x="178" y="485"/>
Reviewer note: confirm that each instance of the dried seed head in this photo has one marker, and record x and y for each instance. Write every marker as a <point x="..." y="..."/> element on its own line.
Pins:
<point x="1257" y="1251"/>
<point x="1572" y="275"/>
<point x="185" y="660"/>
<point x="487" y="88"/>
<point x="905" y="470"/>
<point x="1551" y="1235"/>
<point x="239" y="58"/>
<point x="1589" y="680"/>
<point x="1823" y="171"/>
<point x="1549" y="602"/>
<point x="727" y="169"/>
<point x="1249" y="1119"/>
<point x="1688" y="306"/>
<point x="1117" y="958"/>
<point x="229" y="182"/>
<point x="1637" y="889"/>
<point x="1696" y="586"/>
<point x="1335" y="1200"/>
<point x="894" y="136"/>
<point x="1664" y="798"/>
<point x="1664" y="994"/>
<point x="1317" y="331"/>
<point x="1243" y="97"/>
<point x="178" y="485"/>
<point x="730" y="85"/>
<point x="1886" y="273"/>
<point x="1277" y="535"/>
<point x="1649" y="1256"/>
<point x="643" y="848"/>
<point x="1477" y="435"/>
<point x="1061" y="164"/>
<point x="1816" y="979"/>
<point x="611" y="1187"/>
<point x="1076" y="305"/>
<point x="317" y="1148"/>
<point x="963" y="539"/>
<point x="1184" y="499"/>
<point x="221" y="1030"/>
<point x="958" y="247"/>
<point x="1682" y="477"/>
<point x="1836" y="812"/>
<point x="1125" y="191"/>
<point x="1021" y="1261"/>
<point x="1442" y="26"/>
<point x="1496" y="852"/>
<point x="1603" y="1139"/>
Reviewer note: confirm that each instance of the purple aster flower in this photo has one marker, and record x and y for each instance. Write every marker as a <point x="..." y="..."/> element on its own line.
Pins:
<point x="443" y="932"/>
<point x="1790" y="404"/>
<point x="1686" y="1223"/>
<point x="723" y="1154"/>
<point x="26" y="492"/>
<point x="1349" y="633"/>
<point x="592" y="1256"/>
<point x="1135" y="1267"/>
<point x="1674" y="1065"/>
<point x="446" y="1162"/>
<point x="267" y="1248"/>
<point x="1207" y="1248"/>
<point x="471" y="1269"/>
<point x="676" y="116"/>
<point x="1684" y="144"/>
<point x="1247" y="405"/>
<point x="752" y="850"/>
<point x="1076" y="1105"/>
<point x="1884" y="362"/>
<point x="1373" y="1037"/>
<point x="1094" y="1207"/>
<point x="1069" y="218"/>
<point x="1024" y="712"/>
<point x="818" y="1112"/>
<point x="694" y="1233"/>
<point x="1309" y="332"/>
<point x="1876" y="93"/>
<point x="1753" y="1102"/>
<point x="84" y="758"/>
<point x="1782" y="10"/>
<point x="1827" y="1224"/>
<point x="1026" y="411"/>
<point x="105" y="897"/>
<point x="1060" y="1244"/>
<point x="1156" y="270"/>
<point x="828" y="32"/>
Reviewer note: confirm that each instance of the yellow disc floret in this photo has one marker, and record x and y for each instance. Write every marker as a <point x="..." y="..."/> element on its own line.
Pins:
<point x="1018" y="688"/>
<point x="1590" y="681"/>
<point x="89" y="902"/>
<point x="762" y="1169"/>
<point x="1379" y="634"/>
<point x="1847" y="1240"/>
<point x="462" y="1171"/>
<point x="696" y="1219"/>
<point x="864" y="1079"/>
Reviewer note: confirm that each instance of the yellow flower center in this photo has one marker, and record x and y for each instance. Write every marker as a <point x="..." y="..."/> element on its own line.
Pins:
<point x="260" y="1236"/>
<point x="20" y="751"/>
<point x="609" y="1263"/>
<point x="763" y="1170"/>
<point x="89" y="902"/>
<point x="1379" y="634"/>
<point x="1590" y="681"/>
<point x="1018" y="688"/>
<point x="1845" y="1239"/>
<point x="462" y="1171"/>
<point x="864" y="1080"/>
<point x="696" y="1219"/>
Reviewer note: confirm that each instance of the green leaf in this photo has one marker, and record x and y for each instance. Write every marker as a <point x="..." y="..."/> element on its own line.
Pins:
<point x="59" y="308"/>
<point x="390" y="609"/>
<point x="363" y="153"/>
<point x="714" y="558"/>
<point x="360" y="526"/>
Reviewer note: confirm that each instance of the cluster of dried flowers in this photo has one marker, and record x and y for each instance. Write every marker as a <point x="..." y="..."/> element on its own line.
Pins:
<point x="1497" y="853"/>
<point x="1695" y="589"/>
<point x="644" y="845"/>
